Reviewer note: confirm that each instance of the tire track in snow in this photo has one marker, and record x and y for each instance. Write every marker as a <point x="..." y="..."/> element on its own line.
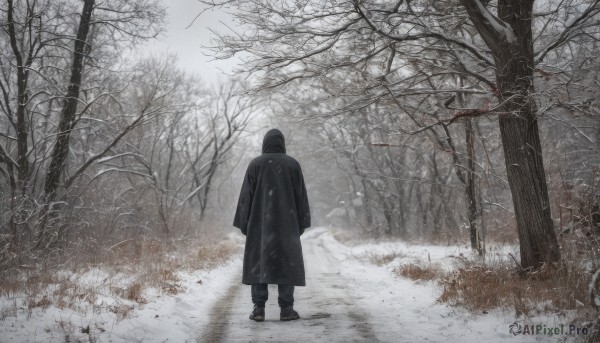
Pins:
<point x="335" y="287"/>
<point x="327" y="307"/>
<point x="220" y="313"/>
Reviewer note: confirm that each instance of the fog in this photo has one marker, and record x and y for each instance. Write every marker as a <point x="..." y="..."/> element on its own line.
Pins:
<point x="450" y="151"/>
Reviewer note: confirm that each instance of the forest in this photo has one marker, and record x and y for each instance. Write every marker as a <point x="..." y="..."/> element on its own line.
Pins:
<point x="456" y="123"/>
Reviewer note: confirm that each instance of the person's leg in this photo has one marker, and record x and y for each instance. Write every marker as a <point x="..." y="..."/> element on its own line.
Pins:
<point x="286" y="295"/>
<point x="260" y="294"/>
<point x="286" y="302"/>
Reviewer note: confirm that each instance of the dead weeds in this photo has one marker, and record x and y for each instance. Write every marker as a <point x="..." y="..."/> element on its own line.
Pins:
<point x="481" y="288"/>
<point x="417" y="272"/>
<point x="210" y="256"/>
<point x="143" y="264"/>
<point x="134" y="293"/>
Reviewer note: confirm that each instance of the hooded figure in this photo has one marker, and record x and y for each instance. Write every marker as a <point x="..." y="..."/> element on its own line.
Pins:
<point x="273" y="212"/>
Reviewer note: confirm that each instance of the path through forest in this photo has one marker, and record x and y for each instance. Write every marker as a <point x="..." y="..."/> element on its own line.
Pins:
<point x="326" y="307"/>
<point x="347" y="300"/>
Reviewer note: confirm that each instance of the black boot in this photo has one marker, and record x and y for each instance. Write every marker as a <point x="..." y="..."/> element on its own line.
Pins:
<point x="258" y="313"/>
<point x="288" y="313"/>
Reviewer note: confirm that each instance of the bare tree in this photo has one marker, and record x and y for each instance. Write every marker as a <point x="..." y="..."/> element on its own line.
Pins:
<point x="406" y="52"/>
<point x="49" y="51"/>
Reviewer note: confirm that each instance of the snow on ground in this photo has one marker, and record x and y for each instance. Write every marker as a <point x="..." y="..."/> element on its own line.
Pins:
<point x="172" y="318"/>
<point x="347" y="298"/>
<point x="401" y="308"/>
<point x="444" y="256"/>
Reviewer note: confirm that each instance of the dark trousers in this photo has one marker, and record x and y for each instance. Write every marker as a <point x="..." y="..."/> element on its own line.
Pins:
<point x="260" y="294"/>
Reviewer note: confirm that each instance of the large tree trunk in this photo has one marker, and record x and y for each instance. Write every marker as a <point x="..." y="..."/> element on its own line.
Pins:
<point x="61" y="147"/>
<point x="518" y="125"/>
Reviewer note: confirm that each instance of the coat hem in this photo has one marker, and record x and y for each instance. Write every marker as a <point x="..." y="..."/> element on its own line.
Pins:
<point x="299" y="284"/>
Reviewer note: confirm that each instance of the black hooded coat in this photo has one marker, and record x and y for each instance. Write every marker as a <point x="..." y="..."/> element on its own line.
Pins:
<point x="273" y="212"/>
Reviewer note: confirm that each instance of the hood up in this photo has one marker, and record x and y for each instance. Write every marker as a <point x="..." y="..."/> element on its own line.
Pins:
<point x="274" y="142"/>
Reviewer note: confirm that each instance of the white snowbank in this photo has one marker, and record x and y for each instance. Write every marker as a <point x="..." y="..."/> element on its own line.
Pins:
<point x="402" y="310"/>
<point x="164" y="318"/>
<point x="346" y="298"/>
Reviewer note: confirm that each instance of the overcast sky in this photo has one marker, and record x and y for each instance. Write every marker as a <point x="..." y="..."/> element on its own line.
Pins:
<point x="187" y="43"/>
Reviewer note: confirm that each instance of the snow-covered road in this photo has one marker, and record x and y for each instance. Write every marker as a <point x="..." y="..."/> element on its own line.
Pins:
<point x="347" y="300"/>
<point x="328" y="307"/>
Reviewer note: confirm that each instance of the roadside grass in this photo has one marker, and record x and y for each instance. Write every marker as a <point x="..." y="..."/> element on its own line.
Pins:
<point x="417" y="272"/>
<point x="482" y="285"/>
<point x="501" y="283"/>
<point x="481" y="288"/>
<point x="130" y="272"/>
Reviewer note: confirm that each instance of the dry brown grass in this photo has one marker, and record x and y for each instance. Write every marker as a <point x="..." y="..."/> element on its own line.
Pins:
<point x="134" y="293"/>
<point x="169" y="282"/>
<point x="481" y="288"/>
<point x="209" y="256"/>
<point x="144" y="264"/>
<point x="417" y="272"/>
<point x="10" y="286"/>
